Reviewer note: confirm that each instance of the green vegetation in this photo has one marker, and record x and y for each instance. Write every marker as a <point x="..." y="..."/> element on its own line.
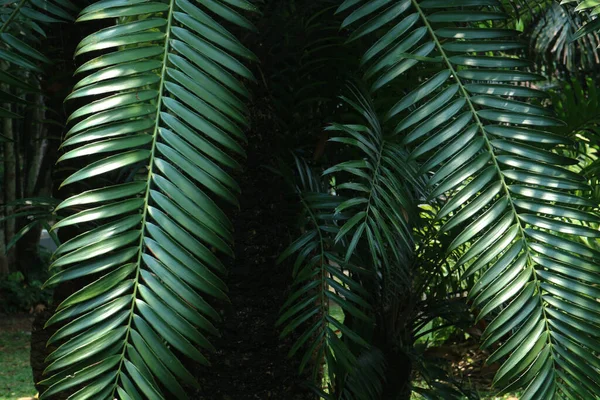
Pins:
<point x="19" y="295"/>
<point x="15" y="372"/>
<point x="453" y="194"/>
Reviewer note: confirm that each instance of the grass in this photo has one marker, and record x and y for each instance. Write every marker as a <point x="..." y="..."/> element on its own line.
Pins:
<point x="16" y="379"/>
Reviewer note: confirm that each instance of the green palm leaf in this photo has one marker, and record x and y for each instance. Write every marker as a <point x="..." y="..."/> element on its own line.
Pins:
<point x="517" y="220"/>
<point x="165" y="102"/>
<point x="381" y="206"/>
<point x="322" y="280"/>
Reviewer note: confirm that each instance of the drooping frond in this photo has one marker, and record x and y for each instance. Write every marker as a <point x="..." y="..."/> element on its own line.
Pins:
<point x="322" y="281"/>
<point x="23" y="24"/>
<point x="359" y="242"/>
<point x="509" y="201"/>
<point x="381" y="192"/>
<point x="163" y="119"/>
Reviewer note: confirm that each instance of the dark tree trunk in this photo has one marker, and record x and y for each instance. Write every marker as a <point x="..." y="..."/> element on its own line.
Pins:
<point x="397" y="376"/>
<point x="28" y="259"/>
<point x="10" y="186"/>
<point x="251" y="361"/>
<point x="393" y="336"/>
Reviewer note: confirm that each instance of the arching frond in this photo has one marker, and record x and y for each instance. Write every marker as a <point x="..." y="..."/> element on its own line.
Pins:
<point x="323" y="280"/>
<point x="381" y="190"/>
<point x="162" y="116"/>
<point x="509" y="201"/>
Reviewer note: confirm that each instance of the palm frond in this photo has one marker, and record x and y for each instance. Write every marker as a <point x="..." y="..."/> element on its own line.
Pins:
<point x="37" y="211"/>
<point x="322" y="281"/>
<point x="382" y="189"/>
<point x="551" y="41"/>
<point x="163" y="118"/>
<point x="592" y="8"/>
<point x="510" y="203"/>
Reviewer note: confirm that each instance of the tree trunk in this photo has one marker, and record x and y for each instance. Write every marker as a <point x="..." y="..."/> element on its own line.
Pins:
<point x="3" y="260"/>
<point x="35" y="153"/>
<point x="10" y="185"/>
<point x="28" y="258"/>
<point x="397" y="375"/>
<point x="393" y="336"/>
<point x="55" y="86"/>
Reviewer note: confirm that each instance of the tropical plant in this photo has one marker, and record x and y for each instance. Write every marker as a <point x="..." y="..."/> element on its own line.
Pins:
<point x="506" y="197"/>
<point x="20" y="31"/>
<point x="166" y="110"/>
<point x="22" y="295"/>
<point x="450" y="192"/>
<point x="586" y="6"/>
<point x="25" y="27"/>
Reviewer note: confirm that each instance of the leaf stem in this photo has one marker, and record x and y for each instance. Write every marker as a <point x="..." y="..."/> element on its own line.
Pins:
<point x="148" y="186"/>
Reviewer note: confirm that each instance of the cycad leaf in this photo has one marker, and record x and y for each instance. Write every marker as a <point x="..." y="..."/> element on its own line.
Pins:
<point x="322" y="282"/>
<point x="515" y="213"/>
<point x="148" y="241"/>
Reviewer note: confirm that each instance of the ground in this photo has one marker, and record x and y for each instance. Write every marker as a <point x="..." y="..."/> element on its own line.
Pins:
<point x="16" y="380"/>
<point x="467" y="363"/>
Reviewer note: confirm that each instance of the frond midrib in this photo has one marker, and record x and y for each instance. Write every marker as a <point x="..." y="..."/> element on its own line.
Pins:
<point x="159" y="100"/>
<point x="490" y="150"/>
<point x="323" y="259"/>
<point x="375" y="180"/>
